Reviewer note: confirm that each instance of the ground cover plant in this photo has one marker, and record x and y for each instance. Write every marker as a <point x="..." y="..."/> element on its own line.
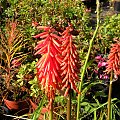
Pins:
<point x="58" y="62"/>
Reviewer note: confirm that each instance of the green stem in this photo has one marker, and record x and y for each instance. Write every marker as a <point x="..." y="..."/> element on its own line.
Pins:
<point x="87" y="57"/>
<point x="95" y="115"/>
<point x="69" y="106"/>
<point x="51" y="112"/>
<point x="109" y="98"/>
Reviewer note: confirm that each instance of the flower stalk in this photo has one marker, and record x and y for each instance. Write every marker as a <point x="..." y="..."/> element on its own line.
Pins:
<point x="109" y="97"/>
<point x="69" y="106"/>
<point x="87" y="57"/>
<point x="51" y="111"/>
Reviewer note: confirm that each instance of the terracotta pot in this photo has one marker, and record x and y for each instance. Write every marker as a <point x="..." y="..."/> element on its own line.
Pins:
<point x="22" y="107"/>
<point x="18" y="107"/>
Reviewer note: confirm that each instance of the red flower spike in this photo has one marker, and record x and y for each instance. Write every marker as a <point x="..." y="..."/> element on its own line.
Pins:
<point x="69" y="63"/>
<point x="114" y="59"/>
<point x="48" y="66"/>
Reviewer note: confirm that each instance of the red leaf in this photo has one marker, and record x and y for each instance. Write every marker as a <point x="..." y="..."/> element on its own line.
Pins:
<point x="11" y="104"/>
<point x="34" y="106"/>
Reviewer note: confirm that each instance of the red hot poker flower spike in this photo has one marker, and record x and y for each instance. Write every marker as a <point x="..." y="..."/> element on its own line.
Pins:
<point x="69" y="62"/>
<point x="48" y="66"/>
<point x="114" y="59"/>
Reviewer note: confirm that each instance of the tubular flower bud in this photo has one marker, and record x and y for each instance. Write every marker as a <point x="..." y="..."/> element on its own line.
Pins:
<point x="69" y="62"/>
<point x="114" y="59"/>
<point x="48" y="66"/>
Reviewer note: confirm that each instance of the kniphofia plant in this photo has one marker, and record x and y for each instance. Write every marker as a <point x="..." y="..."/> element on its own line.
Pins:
<point x="48" y="66"/>
<point x="69" y="66"/>
<point x="113" y="67"/>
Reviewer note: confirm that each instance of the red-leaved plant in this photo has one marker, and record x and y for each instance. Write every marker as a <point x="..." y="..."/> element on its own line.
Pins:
<point x="11" y="57"/>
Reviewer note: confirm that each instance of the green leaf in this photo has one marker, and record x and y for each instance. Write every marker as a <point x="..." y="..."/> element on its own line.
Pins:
<point x="37" y="112"/>
<point x="84" y="103"/>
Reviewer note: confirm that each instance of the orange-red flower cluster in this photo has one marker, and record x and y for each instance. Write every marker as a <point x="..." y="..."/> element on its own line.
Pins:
<point x="69" y="62"/>
<point x="57" y="68"/>
<point x="48" y="66"/>
<point x="114" y="59"/>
